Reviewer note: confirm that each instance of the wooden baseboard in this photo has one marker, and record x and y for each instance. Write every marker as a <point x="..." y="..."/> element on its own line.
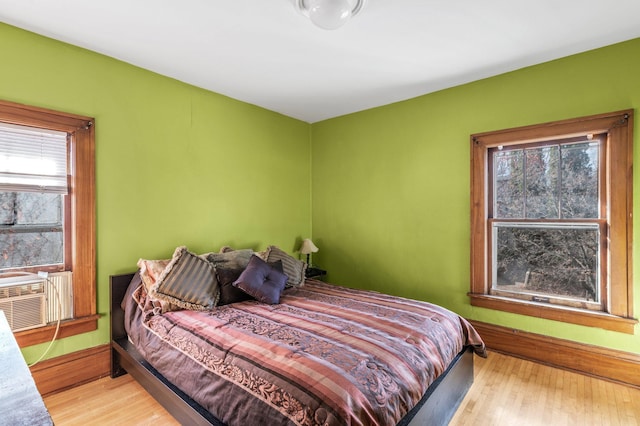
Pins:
<point x="609" y="364"/>
<point x="67" y="371"/>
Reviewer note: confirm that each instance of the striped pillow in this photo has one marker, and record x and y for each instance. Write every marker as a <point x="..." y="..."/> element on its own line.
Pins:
<point x="293" y="268"/>
<point x="188" y="281"/>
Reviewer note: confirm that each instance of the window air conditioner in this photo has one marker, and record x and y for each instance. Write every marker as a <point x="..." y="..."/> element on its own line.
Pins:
<point x="31" y="301"/>
<point x="23" y="303"/>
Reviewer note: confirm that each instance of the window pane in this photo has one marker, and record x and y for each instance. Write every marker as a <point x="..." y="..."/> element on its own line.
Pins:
<point x="547" y="182"/>
<point x="35" y="208"/>
<point x="541" y="259"/>
<point x="31" y="229"/>
<point x="580" y="180"/>
<point x="7" y="208"/>
<point x="508" y="184"/>
<point x="541" y="183"/>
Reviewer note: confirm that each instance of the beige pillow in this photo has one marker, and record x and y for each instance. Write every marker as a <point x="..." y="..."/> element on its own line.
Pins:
<point x="150" y="270"/>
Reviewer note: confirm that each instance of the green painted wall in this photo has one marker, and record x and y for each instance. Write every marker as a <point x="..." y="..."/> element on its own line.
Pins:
<point x="181" y="165"/>
<point x="175" y="164"/>
<point x="391" y="185"/>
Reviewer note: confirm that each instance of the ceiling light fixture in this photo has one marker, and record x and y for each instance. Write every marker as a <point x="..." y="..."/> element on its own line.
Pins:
<point x="329" y="14"/>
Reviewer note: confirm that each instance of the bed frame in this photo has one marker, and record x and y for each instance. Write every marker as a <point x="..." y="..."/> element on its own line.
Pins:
<point x="436" y="407"/>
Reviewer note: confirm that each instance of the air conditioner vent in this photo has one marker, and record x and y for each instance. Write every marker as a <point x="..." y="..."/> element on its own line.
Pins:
<point x="30" y="302"/>
<point x="24" y="311"/>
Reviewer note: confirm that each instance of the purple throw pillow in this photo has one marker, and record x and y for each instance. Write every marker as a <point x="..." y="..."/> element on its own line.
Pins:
<point x="261" y="281"/>
<point x="228" y="293"/>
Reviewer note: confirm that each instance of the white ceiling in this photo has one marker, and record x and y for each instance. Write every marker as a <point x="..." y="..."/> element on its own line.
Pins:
<point x="266" y="53"/>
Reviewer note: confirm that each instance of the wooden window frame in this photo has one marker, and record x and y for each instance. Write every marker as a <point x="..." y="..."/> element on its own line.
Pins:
<point x="618" y="312"/>
<point x="80" y="229"/>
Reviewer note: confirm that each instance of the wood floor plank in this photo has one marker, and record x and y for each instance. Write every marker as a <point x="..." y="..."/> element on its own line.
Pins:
<point x="120" y="401"/>
<point x="537" y="395"/>
<point x="507" y="391"/>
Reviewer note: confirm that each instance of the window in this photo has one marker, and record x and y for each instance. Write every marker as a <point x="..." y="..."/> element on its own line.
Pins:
<point x="33" y="182"/>
<point x="551" y="221"/>
<point x="47" y="208"/>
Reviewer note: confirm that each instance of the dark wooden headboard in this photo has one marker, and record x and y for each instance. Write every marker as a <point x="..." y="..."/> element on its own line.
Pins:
<point x="118" y="287"/>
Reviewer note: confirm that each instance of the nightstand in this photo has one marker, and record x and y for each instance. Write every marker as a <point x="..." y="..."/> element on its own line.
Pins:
<point x="315" y="272"/>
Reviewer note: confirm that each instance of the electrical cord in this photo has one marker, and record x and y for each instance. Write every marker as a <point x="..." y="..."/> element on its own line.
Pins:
<point x="45" y="277"/>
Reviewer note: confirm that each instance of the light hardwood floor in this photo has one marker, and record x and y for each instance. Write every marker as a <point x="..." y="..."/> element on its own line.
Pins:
<point x="507" y="391"/>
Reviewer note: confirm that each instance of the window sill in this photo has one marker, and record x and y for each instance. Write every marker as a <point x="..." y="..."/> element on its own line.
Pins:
<point x="67" y="328"/>
<point x="556" y="313"/>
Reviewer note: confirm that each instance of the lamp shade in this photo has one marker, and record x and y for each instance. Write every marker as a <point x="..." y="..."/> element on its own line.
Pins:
<point x="308" y="247"/>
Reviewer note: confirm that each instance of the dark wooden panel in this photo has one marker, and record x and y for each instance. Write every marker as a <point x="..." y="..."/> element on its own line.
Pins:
<point x="442" y="399"/>
<point x="118" y="288"/>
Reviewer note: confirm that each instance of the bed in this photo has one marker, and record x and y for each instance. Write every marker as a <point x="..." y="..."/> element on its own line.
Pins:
<point x="324" y="354"/>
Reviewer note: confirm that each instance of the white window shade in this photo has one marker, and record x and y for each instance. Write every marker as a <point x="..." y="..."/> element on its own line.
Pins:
<point x="32" y="160"/>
